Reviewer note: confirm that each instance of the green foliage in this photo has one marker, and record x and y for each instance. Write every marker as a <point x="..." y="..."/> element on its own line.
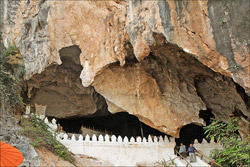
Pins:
<point x="235" y="152"/>
<point x="169" y="163"/>
<point x="223" y="21"/>
<point x="234" y="67"/>
<point x="10" y="85"/>
<point x="40" y="136"/>
<point x="10" y="50"/>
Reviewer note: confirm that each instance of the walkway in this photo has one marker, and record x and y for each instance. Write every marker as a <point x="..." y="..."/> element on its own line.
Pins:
<point x="198" y="163"/>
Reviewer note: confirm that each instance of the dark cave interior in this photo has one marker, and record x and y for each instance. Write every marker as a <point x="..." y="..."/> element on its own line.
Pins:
<point x="191" y="132"/>
<point x="124" y="124"/>
<point x="121" y="123"/>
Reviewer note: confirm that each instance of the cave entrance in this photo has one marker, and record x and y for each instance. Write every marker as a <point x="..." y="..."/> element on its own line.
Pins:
<point x="59" y="93"/>
<point x="59" y="89"/>
<point x="207" y="115"/>
<point x="121" y="123"/>
<point x="190" y="132"/>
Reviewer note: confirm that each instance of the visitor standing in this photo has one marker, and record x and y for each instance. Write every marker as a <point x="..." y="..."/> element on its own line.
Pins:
<point x="183" y="150"/>
<point x="191" y="151"/>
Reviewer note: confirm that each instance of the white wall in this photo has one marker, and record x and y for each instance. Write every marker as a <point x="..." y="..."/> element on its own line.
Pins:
<point x="120" y="153"/>
<point x="124" y="152"/>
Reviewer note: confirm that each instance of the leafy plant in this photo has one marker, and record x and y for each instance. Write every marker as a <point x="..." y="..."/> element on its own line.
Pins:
<point x="169" y="163"/>
<point x="223" y="21"/>
<point x="235" y="67"/>
<point x="9" y="50"/>
<point x="235" y="152"/>
<point x="40" y="136"/>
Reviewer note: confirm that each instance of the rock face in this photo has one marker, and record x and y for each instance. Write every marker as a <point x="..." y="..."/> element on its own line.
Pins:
<point x="59" y="88"/>
<point x="10" y="133"/>
<point x="175" y="58"/>
<point x="168" y="89"/>
<point x="206" y="29"/>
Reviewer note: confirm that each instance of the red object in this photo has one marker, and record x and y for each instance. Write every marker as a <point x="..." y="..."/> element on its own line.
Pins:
<point x="9" y="155"/>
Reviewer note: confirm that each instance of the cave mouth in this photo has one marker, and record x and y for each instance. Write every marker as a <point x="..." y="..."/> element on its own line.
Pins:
<point x="207" y="116"/>
<point x="58" y="90"/>
<point x="189" y="133"/>
<point x="119" y="124"/>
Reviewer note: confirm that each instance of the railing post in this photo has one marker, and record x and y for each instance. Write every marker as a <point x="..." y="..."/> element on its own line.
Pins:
<point x="150" y="139"/>
<point x="166" y="139"/>
<point x="94" y="138"/>
<point x="160" y="139"/>
<point x="155" y="139"/>
<point x="119" y="139"/>
<point x="73" y="138"/>
<point x="212" y="161"/>
<point x="80" y="138"/>
<point x="100" y="138"/>
<point x="125" y="140"/>
<point x="87" y="138"/>
<point x="138" y="139"/>
<point x="65" y="137"/>
<point x="113" y="138"/>
<point x="183" y="158"/>
<point x="132" y="140"/>
<point x="107" y="138"/>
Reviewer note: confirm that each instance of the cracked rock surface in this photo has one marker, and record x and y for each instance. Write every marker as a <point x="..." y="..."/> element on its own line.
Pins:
<point x="168" y="89"/>
<point x="185" y="55"/>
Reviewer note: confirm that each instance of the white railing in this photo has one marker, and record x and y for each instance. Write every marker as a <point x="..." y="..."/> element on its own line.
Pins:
<point x="113" y="139"/>
<point x="120" y="151"/>
<point x="124" y="151"/>
<point x="205" y="147"/>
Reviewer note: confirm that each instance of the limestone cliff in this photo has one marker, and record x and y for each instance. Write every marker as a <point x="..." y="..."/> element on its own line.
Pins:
<point x="163" y="61"/>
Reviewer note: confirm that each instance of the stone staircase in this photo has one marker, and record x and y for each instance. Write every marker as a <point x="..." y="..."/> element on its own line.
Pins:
<point x="182" y="163"/>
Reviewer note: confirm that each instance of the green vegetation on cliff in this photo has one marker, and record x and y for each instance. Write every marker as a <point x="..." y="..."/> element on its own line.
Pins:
<point x="36" y="130"/>
<point x="235" y="152"/>
<point x="11" y="69"/>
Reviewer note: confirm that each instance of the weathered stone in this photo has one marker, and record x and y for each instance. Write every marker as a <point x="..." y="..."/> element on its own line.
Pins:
<point x="10" y="133"/>
<point x="164" y="86"/>
<point x="60" y="89"/>
<point x="198" y="27"/>
<point x="162" y="89"/>
<point x="193" y="26"/>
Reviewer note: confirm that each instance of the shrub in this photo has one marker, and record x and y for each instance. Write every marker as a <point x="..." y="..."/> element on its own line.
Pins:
<point x="169" y="163"/>
<point x="40" y="136"/>
<point x="235" y="152"/>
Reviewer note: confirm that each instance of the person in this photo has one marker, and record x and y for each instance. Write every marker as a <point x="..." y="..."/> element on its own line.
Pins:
<point x="191" y="150"/>
<point x="175" y="149"/>
<point x="182" y="150"/>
